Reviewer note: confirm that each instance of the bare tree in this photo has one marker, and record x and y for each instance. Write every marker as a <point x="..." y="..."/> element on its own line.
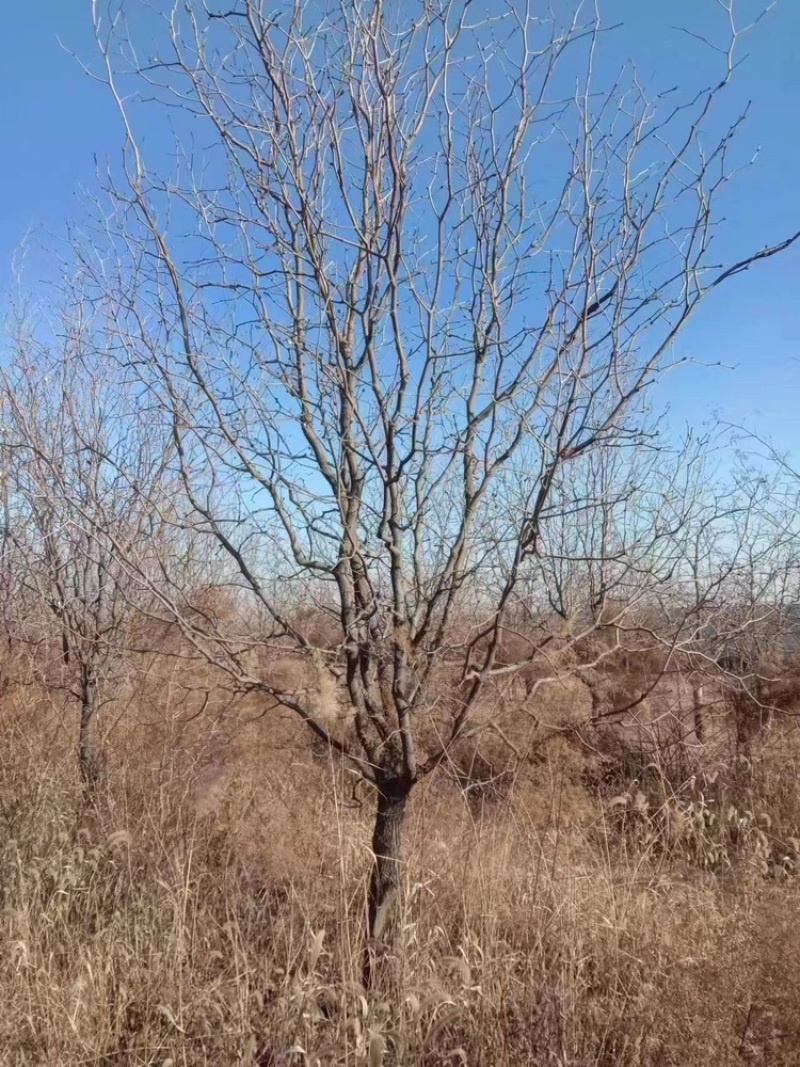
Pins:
<point x="416" y="278"/>
<point x="756" y="631"/>
<point x="79" y="473"/>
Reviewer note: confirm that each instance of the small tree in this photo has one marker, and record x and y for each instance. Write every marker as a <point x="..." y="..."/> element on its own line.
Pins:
<point x="742" y="573"/>
<point x="417" y="277"/>
<point x="80" y="470"/>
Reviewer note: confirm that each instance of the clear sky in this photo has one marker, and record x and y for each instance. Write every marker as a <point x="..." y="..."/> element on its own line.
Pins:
<point x="54" y="121"/>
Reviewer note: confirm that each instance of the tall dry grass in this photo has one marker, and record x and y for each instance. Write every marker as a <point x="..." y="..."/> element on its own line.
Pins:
<point x="207" y="906"/>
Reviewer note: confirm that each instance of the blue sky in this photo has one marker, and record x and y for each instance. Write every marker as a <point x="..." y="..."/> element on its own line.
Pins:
<point x="54" y="121"/>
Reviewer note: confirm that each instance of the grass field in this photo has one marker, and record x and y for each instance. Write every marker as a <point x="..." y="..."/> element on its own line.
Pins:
<point x="563" y="905"/>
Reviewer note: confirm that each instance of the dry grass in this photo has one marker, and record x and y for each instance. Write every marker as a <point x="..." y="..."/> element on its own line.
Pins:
<point x="207" y="908"/>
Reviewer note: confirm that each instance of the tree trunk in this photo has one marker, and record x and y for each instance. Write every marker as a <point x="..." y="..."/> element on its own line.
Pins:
<point x="87" y="758"/>
<point x="384" y="884"/>
<point x="699" y="714"/>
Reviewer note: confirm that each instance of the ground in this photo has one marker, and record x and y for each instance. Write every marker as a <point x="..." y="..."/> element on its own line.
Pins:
<point x="563" y="905"/>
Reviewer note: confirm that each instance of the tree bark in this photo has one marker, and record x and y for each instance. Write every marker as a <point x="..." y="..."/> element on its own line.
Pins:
<point x="87" y="758"/>
<point x="384" y="883"/>
<point x="699" y="714"/>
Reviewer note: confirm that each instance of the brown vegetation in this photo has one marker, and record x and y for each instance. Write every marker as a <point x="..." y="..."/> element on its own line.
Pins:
<point x="568" y="897"/>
